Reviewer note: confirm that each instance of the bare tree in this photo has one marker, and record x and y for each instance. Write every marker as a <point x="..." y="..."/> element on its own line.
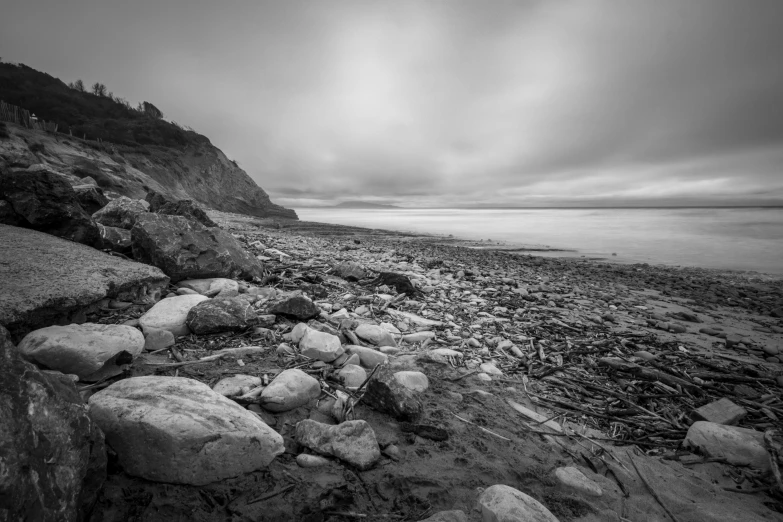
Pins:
<point x="78" y="85"/>
<point x="98" y="89"/>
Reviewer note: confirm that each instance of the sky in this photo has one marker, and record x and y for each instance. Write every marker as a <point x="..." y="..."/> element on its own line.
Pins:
<point x="437" y="103"/>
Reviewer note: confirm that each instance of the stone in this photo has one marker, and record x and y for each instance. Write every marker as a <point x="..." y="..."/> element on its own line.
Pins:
<point x="374" y="334"/>
<point x="29" y="298"/>
<point x="45" y="201"/>
<point x="417" y="337"/>
<point x="289" y="390"/>
<point x="114" y="239"/>
<point x="320" y="345"/>
<point x="414" y="381"/>
<point x="440" y="355"/>
<point x="52" y="455"/>
<point x="349" y="271"/>
<point x="771" y="350"/>
<point x="722" y="411"/>
<point x="83" y="349"/>
<point x="368" y="357"/>
<point x="351" y="375"/>
<point x="297" y="307"/>
<point x="90" y="197"/>
<point x="455" y="515"/>
<point x="177" y="430"/>
<point x="221" y="315"/>
<point x="387" y="395"/>
<point x="501" y="503"/>
<point x="738" y="446"/>
<point x="214" y="285"/>
<point x="236" y="385"/>
<point x="490" y="369"/>
<point x="155" y="339"/>
<point x="171" y="314"/>
<point x="298" y="331"/>
<point x="352" y="441"/>
<point x="573" y="478"/>
<point x="186" y="249"/>
<point x="122" y="212"/>
<point x="305" y="460"/>
<point x="188" y="208"/>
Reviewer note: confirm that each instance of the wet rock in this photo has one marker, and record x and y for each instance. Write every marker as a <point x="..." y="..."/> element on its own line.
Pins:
<point x="573" y="478"/>
<point x="114" y="239"/>
<point x="290" y="389"/>
<point x="186" y="249"/>
<point x="501" y="503"/>
<point x="414" y="381"/>
<point x="351" y="375"/>
<point x="305" y="460"/>
<point x="173" y="429"/>
<point x="84" y="276"/>
<point x="386" y="394"/>
<point x="738" y="446"/>
<point x="221" y="315"/>
<point x="83" y="349"/>
<point x="375" y="334"/>
<point x="236" y="385"/>
<point x="122" y="212"/>
<point x="448" y="516"/>
<point x="297" y="307"/>
<point x="368" y="357"/>
<point x="90" y="197"/>
<point x="320" y="345"/>
<point x="417" y="337"/>
<point x="171" y="314"/>
<point x="44" y="201"/>
<point x="52" y="455"/>
<point x="349" y="271"/>
<point x="185" y="207"/>
<point x="352" y="441"/>
<point x="155" y="339"/>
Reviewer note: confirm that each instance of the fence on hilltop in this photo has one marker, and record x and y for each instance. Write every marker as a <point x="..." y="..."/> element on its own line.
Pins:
<point x="22" y="117"/>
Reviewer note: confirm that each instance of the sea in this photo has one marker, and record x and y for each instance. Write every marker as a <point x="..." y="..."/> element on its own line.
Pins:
<point x="744" y="239"/>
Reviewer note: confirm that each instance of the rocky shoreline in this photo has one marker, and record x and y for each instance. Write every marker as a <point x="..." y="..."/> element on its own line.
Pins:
<point x="304" y="371"/>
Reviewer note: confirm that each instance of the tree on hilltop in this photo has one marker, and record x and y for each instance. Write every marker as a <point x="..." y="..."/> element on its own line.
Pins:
<point x="98" y="89"/>
<point x="151" y="111"/>
<point x="78" y="85"/>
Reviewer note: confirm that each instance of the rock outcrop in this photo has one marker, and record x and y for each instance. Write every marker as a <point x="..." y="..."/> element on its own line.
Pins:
<point x="121" y="213"/>
<point x="186" y="249"/>
<point x="59" y="281"/>
<point x="52" y="456"/>
<point x="44" y="201"/>
<point x="183" y="207"/>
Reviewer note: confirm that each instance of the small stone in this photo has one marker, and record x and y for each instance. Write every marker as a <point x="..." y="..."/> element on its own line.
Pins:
<point x="501" y="503"/>
<point x="368" y="357"/>
<point x="298" y="307"/>
<point x="481" y="376"/>
<point x="320" y="345"/>
<point x="236" y="385"/>
<point x="284" y="349"/>
<point x="417" y="337"/>
<point x="645" y="355"/>
<point x="171" y="314"/>
<point x="393" y="452"/>
<point x="352" y="375"/>
<point x="771" y="350"/>
<point x="440" y="355"/>
<point x="490" y="369"/>
<point x="722" y="411"/>
<point x="386" y="394"/>
<point x="221" y="315"/>
<point x="352" y="441"/>
<point x="572" y="477"/>
<point x="414" y="381"/>
<point x="155" y="339"/>
<point x="289" y="390"/>
<point x="311" y="461"/>
<point x="375" y="334"/>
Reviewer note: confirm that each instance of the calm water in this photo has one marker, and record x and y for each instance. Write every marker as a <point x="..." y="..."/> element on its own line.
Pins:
<point x="741" y="239"/>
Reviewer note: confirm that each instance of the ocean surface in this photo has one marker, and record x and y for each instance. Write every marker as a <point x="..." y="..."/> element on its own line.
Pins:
<point x="725" y="238"/>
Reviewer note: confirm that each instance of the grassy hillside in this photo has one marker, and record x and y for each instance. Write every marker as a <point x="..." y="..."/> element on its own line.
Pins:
<point x="84" y="113"/>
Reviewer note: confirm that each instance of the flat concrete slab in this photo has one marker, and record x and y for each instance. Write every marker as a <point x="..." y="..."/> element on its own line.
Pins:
<point x="45" y="280"/>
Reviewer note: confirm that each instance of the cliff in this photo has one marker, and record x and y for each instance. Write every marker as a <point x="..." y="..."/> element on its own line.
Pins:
<point x="126" y="151"/>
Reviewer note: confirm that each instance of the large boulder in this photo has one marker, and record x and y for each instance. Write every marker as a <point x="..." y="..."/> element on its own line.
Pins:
<point x="88" y="350"/>
<point x="45" y="201"/>
<point x="174" y="429"/>
<point x="230" y="314"/>
<point x="184" y="207"/>
<point x="171" y="314"/>
<point x="289" y="390"/>
<point x="52" y="456"/>
<point x="122" y="212"/>
<point x="59" y="282"/>
<point x="185" y="249"/>
<point x="501" y="503"/>
<point x="738" y="446"/>
<point x="352" y="441"/>
<point x="90" y="198"/>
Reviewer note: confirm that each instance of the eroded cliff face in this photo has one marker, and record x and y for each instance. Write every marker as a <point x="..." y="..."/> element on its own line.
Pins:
<point x="199" y="171"/>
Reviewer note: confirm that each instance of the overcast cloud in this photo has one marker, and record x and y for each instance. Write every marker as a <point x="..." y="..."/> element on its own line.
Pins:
<point x="437" y="103"/>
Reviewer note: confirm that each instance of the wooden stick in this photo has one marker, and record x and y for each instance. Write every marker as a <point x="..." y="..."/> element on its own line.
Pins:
<point x="482" y="429"/>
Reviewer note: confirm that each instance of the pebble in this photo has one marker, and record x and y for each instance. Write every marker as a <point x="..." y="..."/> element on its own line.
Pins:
<point x="311" y="461"/>
<point x="501" y="503"/>
<point x="414" y="381"/>
<point x="352" y="375"/>
<point x="351" y="441"/>
<point x="573" y="478"/>
<point x="236" y="385"/>
<point x="158" y="339"/>
<point x="171" y="314"/>
<point x="290" y="389"/>
<point x="320" y="345"/>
